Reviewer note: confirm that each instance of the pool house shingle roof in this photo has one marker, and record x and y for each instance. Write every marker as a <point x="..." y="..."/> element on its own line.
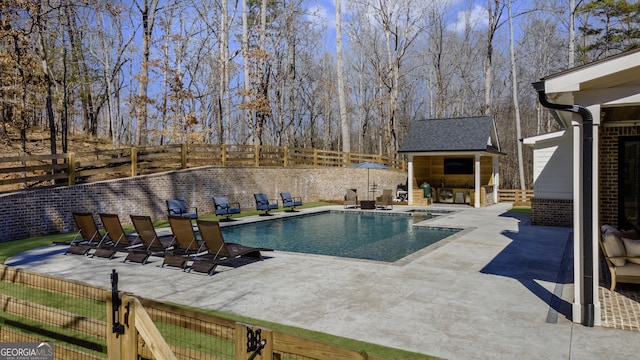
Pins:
<point x="467" y="134"/>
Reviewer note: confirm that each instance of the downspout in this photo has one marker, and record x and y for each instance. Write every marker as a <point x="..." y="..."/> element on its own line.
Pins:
<point x="587" y="195"/>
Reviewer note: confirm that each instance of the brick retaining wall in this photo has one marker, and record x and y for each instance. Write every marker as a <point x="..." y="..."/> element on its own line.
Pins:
<point x="46" y="211"/>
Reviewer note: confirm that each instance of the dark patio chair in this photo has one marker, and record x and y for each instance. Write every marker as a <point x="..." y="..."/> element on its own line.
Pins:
<point x="179" y="207"/>
<point x="217" y="249"/>
<point x="118" y="239"/>
<point x="151" y="242"/>
<point x="224" y="207"/>
<point x="186" y="242"/>
<point x="88" y="236"/>
<point x="263" y="203"/>
<point x="289" y="201"/>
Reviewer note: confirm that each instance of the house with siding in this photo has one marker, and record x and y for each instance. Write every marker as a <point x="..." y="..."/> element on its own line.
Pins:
<point x="588" y="174"/>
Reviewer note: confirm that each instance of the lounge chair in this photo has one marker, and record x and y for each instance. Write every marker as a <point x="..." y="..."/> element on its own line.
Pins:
<point x="118" y="239"/>
<point x="351" y="198"/>
<point x="88" y="236"/>
<point x="223" y="207"/>
<point x="385" y="201"/>
<point x="264" y="204"/>
<point x="217" y="249"/>
<point x="290" y="202"/>
<point x="186" y="241"/>
<point x="151" y="242"/>
<point x="179" y="207"/>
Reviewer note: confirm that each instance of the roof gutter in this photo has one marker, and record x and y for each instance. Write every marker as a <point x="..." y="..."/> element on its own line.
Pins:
<point x="587" y="191"/>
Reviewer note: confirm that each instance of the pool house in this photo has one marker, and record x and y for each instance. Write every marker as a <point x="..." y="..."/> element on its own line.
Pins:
<point x="455" y="159"/>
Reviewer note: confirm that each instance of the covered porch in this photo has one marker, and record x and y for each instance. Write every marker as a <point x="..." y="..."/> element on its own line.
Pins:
<point x="453" y="161"/>
<point x="598" y="107"/>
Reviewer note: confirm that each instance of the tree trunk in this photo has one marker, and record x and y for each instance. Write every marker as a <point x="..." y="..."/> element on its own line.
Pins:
<point x="148" y="12"/>
<point x="344" y="121"/>
<point x="516" y="104"/>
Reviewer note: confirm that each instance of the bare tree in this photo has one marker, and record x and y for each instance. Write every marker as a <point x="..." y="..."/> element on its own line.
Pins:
<point x="147" y="10"/>
<point x="516" y="104"/>
<point x="344" y="121"/>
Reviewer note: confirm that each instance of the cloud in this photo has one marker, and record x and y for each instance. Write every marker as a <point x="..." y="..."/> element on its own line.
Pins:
<point x="322" y="15"/>
<point x="475" y="19"/>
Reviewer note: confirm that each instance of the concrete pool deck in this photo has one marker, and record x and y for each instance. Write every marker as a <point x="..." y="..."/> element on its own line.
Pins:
<point x="497" y="290"/>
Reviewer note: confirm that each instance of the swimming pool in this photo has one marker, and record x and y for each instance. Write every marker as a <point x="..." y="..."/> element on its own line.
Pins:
<point x="360" y="235"/>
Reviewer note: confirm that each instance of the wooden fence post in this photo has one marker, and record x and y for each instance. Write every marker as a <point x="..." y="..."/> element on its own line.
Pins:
<point x="71" y="165"/>
<point x="256" y="154"/>
<point x="129" y="340"/>
<point x="285" y="162"/>
<point x="315" y="157"/>
<point x="183" y="156"/>
<point x="134" y="161"/>
<point x="243" y="332"/>
<point x="223" y="154"/>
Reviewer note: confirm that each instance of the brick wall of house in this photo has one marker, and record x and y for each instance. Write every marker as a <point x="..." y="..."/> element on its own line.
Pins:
<point x="608" y="174"/>
<point x="46" y="211"/>
<point x="551" y="212"/>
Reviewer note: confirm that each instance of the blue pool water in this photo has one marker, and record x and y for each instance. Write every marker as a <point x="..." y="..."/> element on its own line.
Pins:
<point x="345" y="234"/>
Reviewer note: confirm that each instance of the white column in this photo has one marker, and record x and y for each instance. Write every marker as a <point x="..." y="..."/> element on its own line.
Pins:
<point x="577" y="225"/>
<point x="476" y="174"/>
<point x="495" y="165"/>
<point x="595" y="226"/>
<point x="410" y="179"/>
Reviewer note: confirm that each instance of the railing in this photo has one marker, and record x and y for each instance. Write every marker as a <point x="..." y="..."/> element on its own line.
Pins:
<point x="517" y="197"/>
<point x="78" y="319"/>
<point x="71" y="168"/>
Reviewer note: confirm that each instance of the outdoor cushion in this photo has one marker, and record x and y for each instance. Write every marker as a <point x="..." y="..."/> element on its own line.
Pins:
<point x="614" y="248"/>
<point x="630" y="269"/>
<point x="632" y="248"/>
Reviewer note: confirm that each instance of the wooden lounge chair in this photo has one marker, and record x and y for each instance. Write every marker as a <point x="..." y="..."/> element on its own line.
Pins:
<point x="351" y="198"/>
<point x="151" y="242"/>
<point x="265" y="204"/>
<point x="118" y="239"/>
<point x="224" y="207"/>
<point x="217" y="249"/>
<point x="289" y="201"/>
<point x="385" y="201"/>
<point x="179" y="207"/>
<point x="88" y="236"/>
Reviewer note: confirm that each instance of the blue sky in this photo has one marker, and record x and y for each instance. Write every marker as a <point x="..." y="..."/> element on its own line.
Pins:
<point x="461" y="12"/>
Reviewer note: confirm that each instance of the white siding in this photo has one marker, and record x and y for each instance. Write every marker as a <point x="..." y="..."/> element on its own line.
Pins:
<point x="552" y="169"/>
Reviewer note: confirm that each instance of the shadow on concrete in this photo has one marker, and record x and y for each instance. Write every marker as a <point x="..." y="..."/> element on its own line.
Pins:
<point x="537" y="254"/>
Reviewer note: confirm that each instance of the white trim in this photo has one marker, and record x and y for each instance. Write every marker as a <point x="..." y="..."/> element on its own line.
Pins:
<point x="410" y="179"/>
<point x="476" y="174"/>
<point x="595" y="214"/>
<point x="544" y="137"/>
<point x="577" y="227"/>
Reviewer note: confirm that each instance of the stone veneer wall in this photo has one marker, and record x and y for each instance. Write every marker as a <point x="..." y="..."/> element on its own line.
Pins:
<point x="551" y="212"/>
<point x="45" y="211"/>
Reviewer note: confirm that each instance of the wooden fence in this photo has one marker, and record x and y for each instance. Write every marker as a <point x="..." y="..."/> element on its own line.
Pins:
<point x="78" y="319"/>
<point x="71" y="168"/>
<point x="517" y="197"/>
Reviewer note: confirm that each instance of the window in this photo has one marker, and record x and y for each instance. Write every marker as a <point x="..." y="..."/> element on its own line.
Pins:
<point x="629" y="182"/>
